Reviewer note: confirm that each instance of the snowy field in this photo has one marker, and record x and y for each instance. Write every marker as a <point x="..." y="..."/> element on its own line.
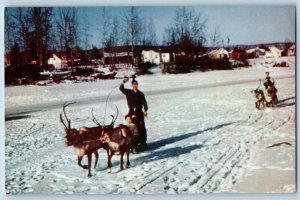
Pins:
<point x="204" y="135"/>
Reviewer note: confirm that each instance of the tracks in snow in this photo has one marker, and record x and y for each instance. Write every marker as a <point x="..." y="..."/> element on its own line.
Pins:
<point x="228" y="151"/>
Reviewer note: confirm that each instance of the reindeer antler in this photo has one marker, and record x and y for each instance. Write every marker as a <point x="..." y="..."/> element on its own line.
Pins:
<point x="62" y="121"/>
<point x="64" y="111"/>
<point x="114" y="119"/>
<point x="94" y="119"/>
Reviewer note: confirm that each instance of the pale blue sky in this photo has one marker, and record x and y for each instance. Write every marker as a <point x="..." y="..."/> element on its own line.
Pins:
<point x="243" y="24"/>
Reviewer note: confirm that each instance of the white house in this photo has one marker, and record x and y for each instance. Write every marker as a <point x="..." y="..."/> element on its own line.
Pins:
<point x="57" y="62"/>
<point x="255" y="53"/>
<point x="151" y="56"/>
<point x="165" y="57"/>
<point x="273" y="52"/>
<point x="218" y="54"/>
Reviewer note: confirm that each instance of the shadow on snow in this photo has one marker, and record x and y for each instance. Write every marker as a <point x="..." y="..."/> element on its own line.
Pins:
<point x="284" y="103"/>
<point x="169" y="152"/>
<point x="157" y="144"/>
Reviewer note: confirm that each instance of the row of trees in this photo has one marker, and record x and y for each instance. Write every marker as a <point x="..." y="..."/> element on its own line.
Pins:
<point x="37" y="30"/>
<point x="131" y="30"/>
<point x="34" y="31"/>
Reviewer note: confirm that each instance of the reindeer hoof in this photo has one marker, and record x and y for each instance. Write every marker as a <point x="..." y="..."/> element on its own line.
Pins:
<point x="89" y="176"/>
<point x="109" y="171"/>
<point x="84" y="166"/>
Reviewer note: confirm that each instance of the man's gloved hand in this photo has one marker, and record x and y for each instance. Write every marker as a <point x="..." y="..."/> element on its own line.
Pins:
<point x="145" y="114"/>
<point x="125" y="80"/>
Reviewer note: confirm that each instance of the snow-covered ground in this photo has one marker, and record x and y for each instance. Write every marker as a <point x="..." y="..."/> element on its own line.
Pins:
<point x="204" y="135"/>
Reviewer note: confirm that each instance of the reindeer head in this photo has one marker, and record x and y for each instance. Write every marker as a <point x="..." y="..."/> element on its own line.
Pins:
<point x="105" y="136"/>
<point x="71" y="136"/>
<point x="71" y="133"/>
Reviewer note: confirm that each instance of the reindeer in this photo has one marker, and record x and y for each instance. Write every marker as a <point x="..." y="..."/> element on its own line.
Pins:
<point x="271" y="94"/>
<point x="85" y="141"/>
<point x="259" y="98"/>
<point x="119" y="139"/>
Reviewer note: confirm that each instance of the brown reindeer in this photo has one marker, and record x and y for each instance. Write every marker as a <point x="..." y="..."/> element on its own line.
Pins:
<point x="259" y="97"/>
<point x="119" y="139"/>
<point x="271" y="96"/>
<point x="85" y="141"/>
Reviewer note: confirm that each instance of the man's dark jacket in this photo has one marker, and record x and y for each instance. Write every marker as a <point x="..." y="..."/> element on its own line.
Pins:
<point x="135" y="100"/>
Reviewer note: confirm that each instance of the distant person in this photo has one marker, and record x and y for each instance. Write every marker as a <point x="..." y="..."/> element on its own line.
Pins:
<point x="136" y="103"/>
<point x="268" y="81"/>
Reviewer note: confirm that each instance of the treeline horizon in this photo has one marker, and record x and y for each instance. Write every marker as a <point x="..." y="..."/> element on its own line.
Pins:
<point x="38" y="30"/>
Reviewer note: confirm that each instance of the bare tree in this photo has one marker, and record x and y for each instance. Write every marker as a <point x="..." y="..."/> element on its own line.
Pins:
<point x="86" y="32"/>
<point x="150" y="37"/>
<point x="73" y="34"/>
<point x="9" y="27"/>
<point x="41" y="22"/>
<point x="152" y="33"/>
<point x="62" y="23"/>
<point x="115" y="35"/>
<point x="48" y="25"/>
<point x="228" y="41"/>
<point x="67" y="28"/>
<point x="132" y="28"/>
<point x="188" y="29"/>
<point x="215" y="37"/>
<point x="104" y="27"/>
<point x="143" y="33"/>
<point x="22" y="33"/>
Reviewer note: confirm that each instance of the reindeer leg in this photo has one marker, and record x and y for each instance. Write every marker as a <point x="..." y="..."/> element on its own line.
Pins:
<point x="108" y="158"/>
<point x="109" y="161"/>
<point x="79" y="162"/>
<point x="89" y="163"/>
<point x="121" y="160"/>
<point x="127" y="156"/>
<point x="96" y="158"/>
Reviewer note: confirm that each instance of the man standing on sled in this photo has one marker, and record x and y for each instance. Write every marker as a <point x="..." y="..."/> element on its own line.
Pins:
<point x="268" y="81"/>
<point x="270" y="91"/>
<point x="136" y="102"/>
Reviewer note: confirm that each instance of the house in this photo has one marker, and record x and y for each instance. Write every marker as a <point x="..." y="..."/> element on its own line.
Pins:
<point x="165" y="57"/>
<point x="237" y="54"/>
<point x="273" y="52"/>
<point x="117" y="58"/>
<point x="152" y="57"/>
<point x="58" y="60"/>
<point x="220" y="53"/>
<point x="292" y="50"/>
<point x="255" y="53"/>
